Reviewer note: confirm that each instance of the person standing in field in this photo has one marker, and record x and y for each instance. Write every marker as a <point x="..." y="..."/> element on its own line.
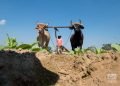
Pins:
<point x="59" y="43"/>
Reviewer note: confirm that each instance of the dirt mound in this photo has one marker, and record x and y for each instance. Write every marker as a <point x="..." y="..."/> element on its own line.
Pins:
<point x="24" y="68"/>
<point x="87" y="69"/>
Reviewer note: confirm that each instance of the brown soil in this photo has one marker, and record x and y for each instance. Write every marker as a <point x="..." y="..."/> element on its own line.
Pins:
<point x="23" y="68"/>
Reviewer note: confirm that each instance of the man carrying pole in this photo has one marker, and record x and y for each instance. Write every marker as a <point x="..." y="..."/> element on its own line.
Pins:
<point x="59" y="42"/>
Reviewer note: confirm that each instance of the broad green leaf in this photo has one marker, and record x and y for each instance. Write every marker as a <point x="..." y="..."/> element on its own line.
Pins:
<point x="35" y="49"/>
<point x="11" y="42"/>
<point x="24" y="46"/>
<point x="44" y="50"/>
<point x="35" y="45"/>
<point x="98" y="50"/>
<point x="71" y="52"/>
<point x="92" y="49"/>
<point x="77" y="51"/>
<point x="116" y="46"/>
<point x="1" y="47"/>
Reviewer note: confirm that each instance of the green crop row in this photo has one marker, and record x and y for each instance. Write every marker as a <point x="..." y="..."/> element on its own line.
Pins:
<point x="12" y="43"/>
<point x="105" y="48"/>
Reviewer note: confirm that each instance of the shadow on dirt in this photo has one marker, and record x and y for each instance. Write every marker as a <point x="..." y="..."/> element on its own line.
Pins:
<point x="24" y="69"/>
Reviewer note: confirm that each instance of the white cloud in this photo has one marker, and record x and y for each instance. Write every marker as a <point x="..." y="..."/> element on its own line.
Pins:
<point x="2" y="22"/>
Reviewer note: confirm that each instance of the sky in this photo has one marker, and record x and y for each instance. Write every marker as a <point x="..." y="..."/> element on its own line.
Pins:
<point x="101" y="19"/>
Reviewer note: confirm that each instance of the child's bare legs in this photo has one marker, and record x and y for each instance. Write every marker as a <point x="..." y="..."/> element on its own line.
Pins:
<point x="59" y="49"/>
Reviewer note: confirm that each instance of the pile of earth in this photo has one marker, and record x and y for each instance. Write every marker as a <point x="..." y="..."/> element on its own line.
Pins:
<point x="25" y="68"/>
